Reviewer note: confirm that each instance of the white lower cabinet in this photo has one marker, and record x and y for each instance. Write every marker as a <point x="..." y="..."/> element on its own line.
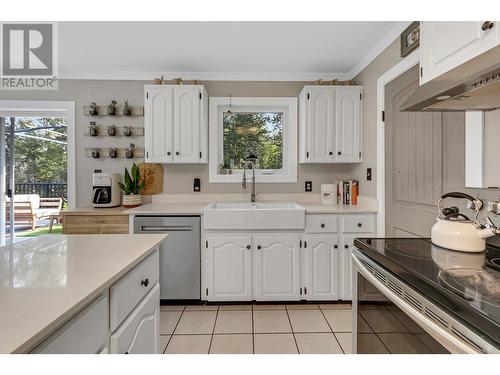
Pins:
<point x="228" y="268"/>
<point x="345" y="269"/>
<point x="139" y="332"/>
<point x="320" y="267"/>
<point x="261" y="267"/>
<point x="277" y="267"/>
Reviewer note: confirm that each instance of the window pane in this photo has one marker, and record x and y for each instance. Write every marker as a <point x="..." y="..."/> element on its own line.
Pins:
<point x="260" y="133"/>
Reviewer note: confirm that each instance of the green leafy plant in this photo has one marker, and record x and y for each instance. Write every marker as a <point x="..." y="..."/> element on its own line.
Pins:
<point x="133" y="184"/>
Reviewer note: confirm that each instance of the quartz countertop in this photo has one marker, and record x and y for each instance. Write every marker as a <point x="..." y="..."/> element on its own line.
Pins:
<point x="45" y="281"/>
<point x="197" y="208"/>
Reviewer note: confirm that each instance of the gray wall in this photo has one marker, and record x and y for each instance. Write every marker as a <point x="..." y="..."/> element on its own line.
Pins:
<point x="178" y="178"/>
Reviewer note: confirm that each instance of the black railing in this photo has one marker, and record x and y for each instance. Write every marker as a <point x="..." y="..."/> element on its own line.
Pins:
<point x="43" y="189"/>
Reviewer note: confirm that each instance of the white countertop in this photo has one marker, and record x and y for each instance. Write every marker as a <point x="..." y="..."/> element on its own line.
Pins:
<point x="45" y="281"/>
<point x="197" y="207"/>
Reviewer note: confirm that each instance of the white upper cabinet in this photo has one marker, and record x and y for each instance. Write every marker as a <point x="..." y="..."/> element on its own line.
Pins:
<point x="330" y="121"/>
<point x="348" y="124"/>
<point x="176" y="124"/>
<point x="446" y="45"/>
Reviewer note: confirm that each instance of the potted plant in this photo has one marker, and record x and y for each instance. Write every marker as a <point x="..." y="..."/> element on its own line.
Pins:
<point x="132" y="187"/>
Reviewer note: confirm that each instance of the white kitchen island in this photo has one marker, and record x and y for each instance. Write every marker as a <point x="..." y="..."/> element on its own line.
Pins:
<point x="80" y="294"/>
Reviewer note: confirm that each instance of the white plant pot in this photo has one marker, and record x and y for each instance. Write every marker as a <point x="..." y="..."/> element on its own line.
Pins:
<point x="132" y="200"/>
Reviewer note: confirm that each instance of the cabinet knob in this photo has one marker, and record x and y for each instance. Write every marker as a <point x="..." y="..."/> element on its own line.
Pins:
<point x="145" y="282"/>
<point x="335" y="246"/>
<point x="360" y="225"/>
<point x="346" y="246"/>
<point x="340" y="152"/>
<point x="168" y="153"/>
<point x="322" y="225"/>
<point x="248" y="247"/>
<point x="177" y="153"/>
<point x="330" y="153"/>
<point x="487" y="25"/>
<point x="259" y="247"/>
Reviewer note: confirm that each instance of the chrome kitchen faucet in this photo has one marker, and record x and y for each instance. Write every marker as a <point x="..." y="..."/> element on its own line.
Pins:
<point x="252" y="159"/>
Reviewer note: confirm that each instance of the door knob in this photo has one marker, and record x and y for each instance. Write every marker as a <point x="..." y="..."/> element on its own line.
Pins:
<point x="330" y="153"/>
<point x="487" y="25"/>
<point x="177" y="153"/>
<point x="248" y="247"/>
<point x="322" y="225"/>
<point x="168" y="153"/>
<point x="145" y="282"/>
<point x="259" y="247"/>
<point x="346" y="246"/>
<point x="340" y="152"/>
<point x="360" y="225"/>
<point x="335" y="246"/>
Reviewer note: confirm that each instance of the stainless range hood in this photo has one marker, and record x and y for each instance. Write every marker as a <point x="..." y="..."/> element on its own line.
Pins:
<point x="472" y="86"/>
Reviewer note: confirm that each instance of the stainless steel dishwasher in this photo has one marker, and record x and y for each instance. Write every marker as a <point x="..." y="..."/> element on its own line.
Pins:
<point x="179" y="254"/>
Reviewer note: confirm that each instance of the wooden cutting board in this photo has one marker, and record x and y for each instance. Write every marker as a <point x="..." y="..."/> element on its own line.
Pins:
<point x="153" y="175"/>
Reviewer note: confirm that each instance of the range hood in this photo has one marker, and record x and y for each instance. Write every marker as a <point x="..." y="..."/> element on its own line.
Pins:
<point x="472" y="86"/>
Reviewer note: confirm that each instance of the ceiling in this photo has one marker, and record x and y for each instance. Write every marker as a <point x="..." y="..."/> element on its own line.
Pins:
<point x="220" y="50"/>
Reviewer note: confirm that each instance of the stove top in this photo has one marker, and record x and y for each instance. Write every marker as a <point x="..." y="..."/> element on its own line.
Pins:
<point x="467" y="285"/>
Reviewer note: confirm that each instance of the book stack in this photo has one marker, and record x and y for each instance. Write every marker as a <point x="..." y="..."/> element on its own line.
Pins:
<point x="347" y="191"/>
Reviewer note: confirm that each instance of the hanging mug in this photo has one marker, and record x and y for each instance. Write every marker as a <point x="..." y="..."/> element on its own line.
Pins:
<point x="127" y="131"/>
<point x="93" y="131"/>
<point x="112" y="130"/>
<point x="129" y="154"/>
<point x="112" y="153"/>
<point x="95" y="154"/>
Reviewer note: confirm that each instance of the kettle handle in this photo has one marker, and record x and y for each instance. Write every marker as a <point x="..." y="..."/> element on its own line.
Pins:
<point x="457" y="194"/>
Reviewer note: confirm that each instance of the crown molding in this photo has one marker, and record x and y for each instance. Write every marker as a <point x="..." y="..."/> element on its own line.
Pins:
<point x="203" y="76"/>
<point x="385" y="42"/>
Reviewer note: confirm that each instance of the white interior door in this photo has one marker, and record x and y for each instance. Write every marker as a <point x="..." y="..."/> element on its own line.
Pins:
<point x="187" y="102"/>
<point x="277" y="267"/>
<point x="320" y="122"/>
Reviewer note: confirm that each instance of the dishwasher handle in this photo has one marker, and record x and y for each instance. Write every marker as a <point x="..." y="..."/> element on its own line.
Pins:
<point x="166" y="228"/>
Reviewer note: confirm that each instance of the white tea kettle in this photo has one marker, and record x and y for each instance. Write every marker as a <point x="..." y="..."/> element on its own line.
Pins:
<point x="456" y="231"/>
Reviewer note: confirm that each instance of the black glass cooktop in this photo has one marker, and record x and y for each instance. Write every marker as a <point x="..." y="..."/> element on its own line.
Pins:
<point x="466" y="285"/>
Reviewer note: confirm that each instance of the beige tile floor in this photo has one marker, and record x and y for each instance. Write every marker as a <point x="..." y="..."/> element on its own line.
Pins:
<point x="257" y="328"/>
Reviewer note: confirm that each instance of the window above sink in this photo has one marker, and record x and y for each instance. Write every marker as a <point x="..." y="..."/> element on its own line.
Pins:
<point x="266" y="127"/>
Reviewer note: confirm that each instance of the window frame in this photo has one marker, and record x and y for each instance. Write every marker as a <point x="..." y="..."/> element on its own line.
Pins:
<point x="287" y="105"/>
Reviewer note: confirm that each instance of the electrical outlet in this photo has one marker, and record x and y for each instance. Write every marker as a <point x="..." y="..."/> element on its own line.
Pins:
<point x="309" y="186"/>
<point x="196" y="185"/>
<point x="368" y="174"/>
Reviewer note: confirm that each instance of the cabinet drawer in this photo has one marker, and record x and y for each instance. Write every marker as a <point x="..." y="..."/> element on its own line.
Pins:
<point x="95" y="219"/>
<point x="80" y="229"/>
<point x="131" y="289"/>
<point x="139" y="333"/>
<point x="359" y="223"/>
<point x="86" y="333"/>
<point x="321" y="223"/>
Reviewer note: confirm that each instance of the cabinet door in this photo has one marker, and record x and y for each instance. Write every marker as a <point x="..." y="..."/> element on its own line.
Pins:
<point x="228" y="268"/>
<point x="445" y="45"/>
<point x="277" y="267"/>
<point x="140" y="332"/>
<point x="345" y="268"/>
<point x="158" y="125"/>
<point x="348" y="124"/>
<point x="322" y="267"/>
<point x="187" y="105"/>
<point x="319" y="131"/>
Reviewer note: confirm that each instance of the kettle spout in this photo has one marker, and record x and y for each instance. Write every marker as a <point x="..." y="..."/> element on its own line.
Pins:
<point x="488" y="232"/>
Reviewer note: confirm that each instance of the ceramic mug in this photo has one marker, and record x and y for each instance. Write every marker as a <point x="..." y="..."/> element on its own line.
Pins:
<point x="129" y="154"/>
